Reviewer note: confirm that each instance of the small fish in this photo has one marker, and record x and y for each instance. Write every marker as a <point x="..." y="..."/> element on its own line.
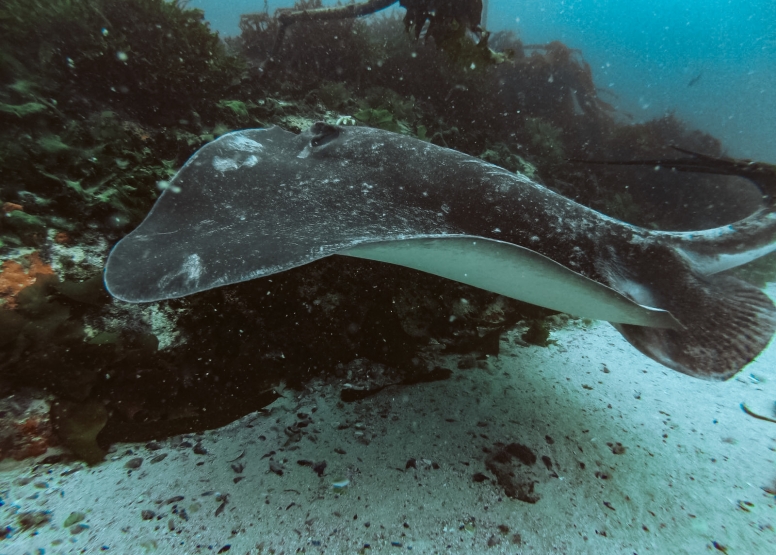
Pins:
<point x="695" y="79"/>
<point x="222" y="506"/>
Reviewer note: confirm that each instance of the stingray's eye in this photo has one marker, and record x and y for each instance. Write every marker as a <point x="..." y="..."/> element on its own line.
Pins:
<point x="323" y="133"/>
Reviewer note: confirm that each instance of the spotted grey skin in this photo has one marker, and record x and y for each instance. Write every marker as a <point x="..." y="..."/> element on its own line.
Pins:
<point x="262" y="201"/>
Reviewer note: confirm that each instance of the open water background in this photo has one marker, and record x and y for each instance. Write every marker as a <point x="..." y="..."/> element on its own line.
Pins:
<point x="713" y="62"/>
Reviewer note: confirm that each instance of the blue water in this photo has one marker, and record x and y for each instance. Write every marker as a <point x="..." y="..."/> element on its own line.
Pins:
<point x="647" y="53"/>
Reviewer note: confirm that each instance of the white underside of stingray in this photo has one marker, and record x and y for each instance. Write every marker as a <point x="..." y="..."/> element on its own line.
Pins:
<point x="515" y="272"/>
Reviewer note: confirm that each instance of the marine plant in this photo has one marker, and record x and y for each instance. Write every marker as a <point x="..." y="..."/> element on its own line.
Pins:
<point x="150" y="59"/>
<point x="384" y="108"/>
<point x="86" y="87"/>
<point x="501" y="155"/>
<point x="545" y="140"/>
<point x="449" y="24"/>
<point x="381" y="118"/>
<point x="333" y="95"/>
<point x="330" y="50"/>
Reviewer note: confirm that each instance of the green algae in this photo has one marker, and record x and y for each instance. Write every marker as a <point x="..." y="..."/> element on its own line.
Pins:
<point x="24" y="223"/>
<point x="622" y="206"/>
<point x="236" y="106"/>
<point x="501" y="155"/>
<point x="22" y="110"/>
<point x="382" y="119"/>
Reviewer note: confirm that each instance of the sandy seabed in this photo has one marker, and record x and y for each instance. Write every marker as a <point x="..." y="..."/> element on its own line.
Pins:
<point x="630" y="458"/>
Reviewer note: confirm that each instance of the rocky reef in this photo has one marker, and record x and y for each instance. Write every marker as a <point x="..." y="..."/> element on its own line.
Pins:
<point x="102" y="100"/>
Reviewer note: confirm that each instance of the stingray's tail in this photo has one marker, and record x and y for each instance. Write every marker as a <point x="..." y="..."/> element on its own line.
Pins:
<point x="722" y="248"/>
<point x="726" y="322"/>
<point x="761" y="174"/>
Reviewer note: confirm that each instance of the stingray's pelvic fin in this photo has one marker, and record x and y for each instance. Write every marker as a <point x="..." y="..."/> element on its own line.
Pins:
<point x="727" y="322"/>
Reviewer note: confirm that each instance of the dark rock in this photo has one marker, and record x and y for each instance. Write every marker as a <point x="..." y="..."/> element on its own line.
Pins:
<point x="517" y="480"/>
<point x="276" y="467"/>
<point x="350" y="395"/>
<point x="617" y="448"/>
<point x="521" y="453"/>
<point x="319" y="467"/>
<point x="30" y="520"/>
<point x="134" y="463"/>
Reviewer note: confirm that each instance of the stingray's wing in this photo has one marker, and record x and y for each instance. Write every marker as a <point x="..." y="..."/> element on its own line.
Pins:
<point x="203" y="231"/>
<point x="254" y="203"/>
<point x="247" y="205"/>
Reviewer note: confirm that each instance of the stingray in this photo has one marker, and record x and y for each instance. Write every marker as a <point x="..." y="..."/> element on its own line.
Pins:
<point x="261" y="201"/>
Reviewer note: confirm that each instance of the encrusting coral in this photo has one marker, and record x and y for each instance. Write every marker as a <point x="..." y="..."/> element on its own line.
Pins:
<point x="16" y="275"/>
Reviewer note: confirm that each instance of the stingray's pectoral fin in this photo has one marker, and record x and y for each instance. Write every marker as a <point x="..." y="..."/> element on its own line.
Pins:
<point x="727" y="323"/>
